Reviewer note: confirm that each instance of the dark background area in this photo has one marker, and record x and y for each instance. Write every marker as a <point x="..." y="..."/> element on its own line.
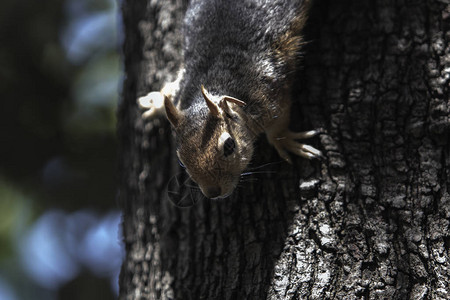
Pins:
<point x="59" y="82"/>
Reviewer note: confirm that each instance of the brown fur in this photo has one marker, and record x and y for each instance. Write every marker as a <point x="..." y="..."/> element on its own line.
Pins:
<point x="287" y="48"/>
<point x="208" y="166"/>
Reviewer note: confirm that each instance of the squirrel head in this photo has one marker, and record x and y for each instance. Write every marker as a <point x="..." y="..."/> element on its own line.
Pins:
<point x="214" y="143"/>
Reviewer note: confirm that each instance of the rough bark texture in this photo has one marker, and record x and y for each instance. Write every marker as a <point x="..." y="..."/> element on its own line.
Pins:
<point x="371" y="221"/>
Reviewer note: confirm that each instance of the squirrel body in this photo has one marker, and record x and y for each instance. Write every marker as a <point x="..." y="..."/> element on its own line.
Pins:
<point x="234" y="84"/>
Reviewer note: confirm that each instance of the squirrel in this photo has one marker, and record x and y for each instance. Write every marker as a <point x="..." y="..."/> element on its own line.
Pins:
<point x="239" y="62"/>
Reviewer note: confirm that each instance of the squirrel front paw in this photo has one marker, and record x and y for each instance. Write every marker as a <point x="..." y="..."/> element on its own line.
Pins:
<point x="285" y="141"/>
<point x="152" y="103"/>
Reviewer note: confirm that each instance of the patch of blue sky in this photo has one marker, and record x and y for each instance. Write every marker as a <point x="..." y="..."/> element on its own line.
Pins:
<point x="58" y="245"/>
<point x="6" y="291"/>
<point x="89" y="35"/>
<point x="43" y="253"/>
<point x="101" y="249"/>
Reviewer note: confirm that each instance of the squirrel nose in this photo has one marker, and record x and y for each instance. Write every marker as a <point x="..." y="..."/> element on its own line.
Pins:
<point x="213" y="192"/>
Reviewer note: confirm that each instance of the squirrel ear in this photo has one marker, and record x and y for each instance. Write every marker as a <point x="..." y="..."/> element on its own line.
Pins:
<point x="233" y="100"/>
<point x="223" y="103"/>
<point x="173" y="114"/>
<point x="224" y="106"/>
<point x="213" y="108"/>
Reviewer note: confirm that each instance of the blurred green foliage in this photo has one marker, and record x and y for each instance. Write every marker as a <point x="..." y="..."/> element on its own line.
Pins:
<point x="57" y="114"/>
<point x="15" y="211"/>
<point x="52" y="107"/>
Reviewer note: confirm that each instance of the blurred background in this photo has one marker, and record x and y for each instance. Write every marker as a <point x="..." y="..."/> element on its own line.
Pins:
<point x="60" y="75"/>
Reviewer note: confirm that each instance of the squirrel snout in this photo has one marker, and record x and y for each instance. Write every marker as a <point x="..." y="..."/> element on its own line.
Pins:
<point x="212" y="192"/>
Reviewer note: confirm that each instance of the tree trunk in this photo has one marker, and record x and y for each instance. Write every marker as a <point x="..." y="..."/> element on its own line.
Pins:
<point x="369" y="221"/>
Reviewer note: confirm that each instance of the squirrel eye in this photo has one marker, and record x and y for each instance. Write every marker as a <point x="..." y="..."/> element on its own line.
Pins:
<point x="228" y="147"/>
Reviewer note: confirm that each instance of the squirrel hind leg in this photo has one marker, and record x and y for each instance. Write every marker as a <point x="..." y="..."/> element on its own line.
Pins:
<point x="285" y="142"/>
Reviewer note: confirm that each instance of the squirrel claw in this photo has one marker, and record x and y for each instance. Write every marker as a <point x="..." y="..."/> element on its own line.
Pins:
<point x="302" y="135"/>
<point x="286" y="142"/>
<point x="305" y="150"/>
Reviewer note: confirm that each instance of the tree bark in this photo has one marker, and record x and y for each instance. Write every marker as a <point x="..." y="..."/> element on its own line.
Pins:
<point x="370" y="221"/>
